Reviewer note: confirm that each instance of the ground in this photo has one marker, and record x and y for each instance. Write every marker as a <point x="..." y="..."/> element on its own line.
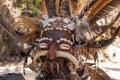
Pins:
<point x="112" y="69"/>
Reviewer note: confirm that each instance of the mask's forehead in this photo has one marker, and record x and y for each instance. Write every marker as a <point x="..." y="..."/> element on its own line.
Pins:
<point x="57" y="34"/>
<point x="57" y="29"/>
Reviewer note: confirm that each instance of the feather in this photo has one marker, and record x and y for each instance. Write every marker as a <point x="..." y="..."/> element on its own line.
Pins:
<point x="51" y="8"/>
<point x="83" y="31"/>
<point x="26" y="27"/>
<point x="64" y="8"/>
<point x="43" y="7"/>
<point x="102" y="43"/>
<point x="97" y="74"/>
<point x="57" y="5"/>
<point x="81" y="6"/>
<point x="113" y="4"/>
<point x="72" y="6"/>
<point x="99" y="4"/>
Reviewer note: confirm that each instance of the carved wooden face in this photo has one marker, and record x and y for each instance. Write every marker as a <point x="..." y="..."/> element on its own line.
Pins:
<point x="56" y="37"/>
<point x="56" y="45"/>
<point x="61" y="40"/>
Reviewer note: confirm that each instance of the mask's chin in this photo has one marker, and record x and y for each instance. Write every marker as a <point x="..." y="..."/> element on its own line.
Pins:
<point x="58" y="68"/>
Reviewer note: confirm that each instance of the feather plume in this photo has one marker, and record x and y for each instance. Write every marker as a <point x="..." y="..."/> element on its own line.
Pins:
<point x="72" y="6"/>
<point x="107" y="7"/>
<point x="98" y="5"/>
<point x="81" y="6"/>
<point x="57" y="5"/>
<point x="83" y="31"/>
<point x="43" y="7"/>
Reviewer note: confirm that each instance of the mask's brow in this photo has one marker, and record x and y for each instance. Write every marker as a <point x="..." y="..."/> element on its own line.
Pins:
<point x="45" y="38"/>
<point x="64" y="39"/>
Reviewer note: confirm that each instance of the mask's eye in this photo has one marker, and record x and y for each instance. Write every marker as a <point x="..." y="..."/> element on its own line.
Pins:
<point x="43" y="45"/>
<point x="65" y="46"/>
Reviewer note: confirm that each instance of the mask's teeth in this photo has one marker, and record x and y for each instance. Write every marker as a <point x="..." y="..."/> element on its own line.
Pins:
<point x="70" y="42"/>
<point x="61" y="29"/>
<point x="51" y="28"/>
<point x="61" y="39"/>
<point x="50" y="39"/>
<point x="64" y="39"/>
<point x="58" y="41"/>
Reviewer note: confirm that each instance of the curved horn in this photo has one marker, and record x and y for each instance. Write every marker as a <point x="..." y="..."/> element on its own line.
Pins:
<point x="59" y="54"/>
<point x="68" y="56"/>
<point x="37" y="54"/>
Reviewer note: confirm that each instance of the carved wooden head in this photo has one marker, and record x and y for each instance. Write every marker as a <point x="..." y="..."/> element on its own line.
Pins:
<point x="61" y="33"/>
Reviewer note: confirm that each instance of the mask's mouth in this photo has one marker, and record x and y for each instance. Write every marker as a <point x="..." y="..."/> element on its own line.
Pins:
<point x="63" y="63"/>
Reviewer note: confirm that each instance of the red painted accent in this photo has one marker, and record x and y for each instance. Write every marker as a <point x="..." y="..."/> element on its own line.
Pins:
<point x="51" y="54"/>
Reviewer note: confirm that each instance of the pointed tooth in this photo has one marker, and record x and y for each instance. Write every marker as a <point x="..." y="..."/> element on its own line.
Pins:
<point x="58" y="41"/>
<point x="50" y="39"/>
<point x="43" y="38"/>
<point x="51" y="28"/>
<point x="45" y="29"/>
<point x="47" y="38"/>
<point x="61" y="38"/>
<point x="65" y="39"/>
<point x="61" y="29"/>
<point x="69" y="41"/>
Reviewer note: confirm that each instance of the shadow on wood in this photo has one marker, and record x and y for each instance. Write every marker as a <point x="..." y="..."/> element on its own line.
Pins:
<point x="12" y="76"/>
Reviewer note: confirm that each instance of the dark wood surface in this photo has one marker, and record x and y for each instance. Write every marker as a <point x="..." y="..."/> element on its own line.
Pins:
<point x="12" y="76"/>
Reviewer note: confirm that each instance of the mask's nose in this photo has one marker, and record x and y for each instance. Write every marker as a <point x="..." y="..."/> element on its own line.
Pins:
<point x="51" y="54"/>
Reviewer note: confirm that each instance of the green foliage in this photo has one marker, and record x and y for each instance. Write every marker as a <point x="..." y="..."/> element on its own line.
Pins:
<point x="30" y="4"/>
<point x="37" y="3"/>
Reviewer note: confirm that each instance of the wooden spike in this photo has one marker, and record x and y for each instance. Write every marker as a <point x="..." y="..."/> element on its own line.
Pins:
<point x="72" y="6"/>
<point x="96" y="8"/>
<point x="61" y="10"/>
<point x="43" y="8"/>
<point x="57" y="4"/>
<point x="81" y="5"/>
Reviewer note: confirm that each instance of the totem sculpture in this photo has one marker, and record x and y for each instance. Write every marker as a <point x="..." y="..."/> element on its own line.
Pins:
<point x="62" y="34"/>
